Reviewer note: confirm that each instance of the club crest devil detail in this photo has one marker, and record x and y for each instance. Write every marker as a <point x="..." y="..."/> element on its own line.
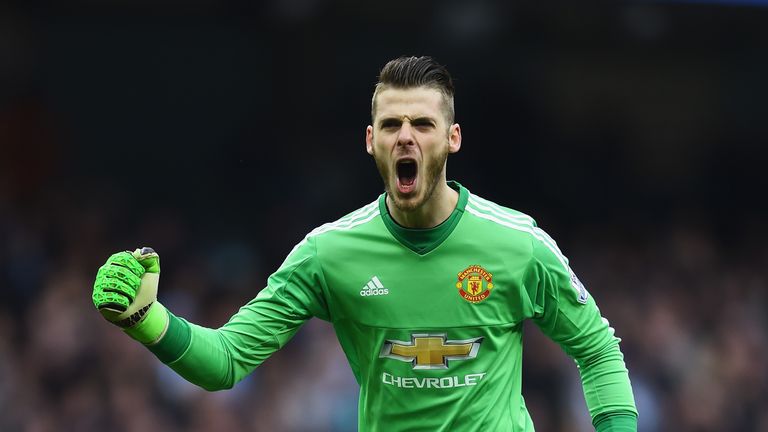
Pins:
<point x="475" y="284"/>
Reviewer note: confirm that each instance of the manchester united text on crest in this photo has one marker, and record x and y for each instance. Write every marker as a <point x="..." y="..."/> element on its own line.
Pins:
<point x="475" y="283"/>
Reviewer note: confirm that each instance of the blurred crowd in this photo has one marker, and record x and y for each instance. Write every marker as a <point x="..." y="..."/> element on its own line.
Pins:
<point x="220" y="133"/>
<point x="687" y="298"/>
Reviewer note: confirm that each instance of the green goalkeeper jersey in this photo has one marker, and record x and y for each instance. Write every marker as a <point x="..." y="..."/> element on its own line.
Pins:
<point x="430" y="320"/>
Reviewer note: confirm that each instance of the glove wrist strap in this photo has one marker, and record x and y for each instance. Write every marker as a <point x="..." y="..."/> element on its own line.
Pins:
<point x="153" y="327"/>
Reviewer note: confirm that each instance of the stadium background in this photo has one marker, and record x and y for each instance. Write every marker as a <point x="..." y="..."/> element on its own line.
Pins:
<point x="220" y="132"/>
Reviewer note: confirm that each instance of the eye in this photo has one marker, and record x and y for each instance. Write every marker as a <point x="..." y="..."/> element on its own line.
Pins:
<point x="388" y="124"/>
<point x="423" y="124"/>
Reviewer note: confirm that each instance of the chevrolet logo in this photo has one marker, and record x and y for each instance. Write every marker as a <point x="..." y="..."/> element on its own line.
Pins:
<point x="430" y="350"/>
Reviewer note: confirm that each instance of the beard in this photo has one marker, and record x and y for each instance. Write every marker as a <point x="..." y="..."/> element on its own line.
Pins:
<point x="432" y="175"/>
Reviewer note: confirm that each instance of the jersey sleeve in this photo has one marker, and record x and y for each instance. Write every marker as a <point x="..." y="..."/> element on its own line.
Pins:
<point x="217" y="359"/>
<point x="567" y="314"/>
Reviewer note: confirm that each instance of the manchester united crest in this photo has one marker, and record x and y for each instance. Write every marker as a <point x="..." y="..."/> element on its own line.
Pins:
<point x="475" y="284"/>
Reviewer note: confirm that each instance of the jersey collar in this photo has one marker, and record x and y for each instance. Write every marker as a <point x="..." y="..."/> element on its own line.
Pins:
<point x="422" y="241"/>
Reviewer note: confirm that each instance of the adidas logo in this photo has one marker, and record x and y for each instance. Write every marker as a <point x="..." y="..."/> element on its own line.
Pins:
<point x="373" y="288"/>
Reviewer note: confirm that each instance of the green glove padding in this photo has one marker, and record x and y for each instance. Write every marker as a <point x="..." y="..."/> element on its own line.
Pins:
<point x="125" y="292"/>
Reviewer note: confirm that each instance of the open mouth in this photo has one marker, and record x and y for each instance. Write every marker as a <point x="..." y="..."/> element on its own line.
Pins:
<point x="407" y="172"/>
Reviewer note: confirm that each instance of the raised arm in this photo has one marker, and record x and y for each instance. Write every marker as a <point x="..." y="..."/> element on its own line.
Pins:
<point x="215" y="359"/>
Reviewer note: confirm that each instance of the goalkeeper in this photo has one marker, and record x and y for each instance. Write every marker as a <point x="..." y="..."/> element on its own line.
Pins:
<point x="427" y="288"/>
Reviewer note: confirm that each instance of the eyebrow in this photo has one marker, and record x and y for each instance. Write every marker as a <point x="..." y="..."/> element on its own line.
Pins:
<point x="419" y="121"/>
<point x="397" y="121"/>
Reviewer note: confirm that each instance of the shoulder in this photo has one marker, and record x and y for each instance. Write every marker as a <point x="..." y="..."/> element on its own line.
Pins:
<point x="514" y="223"/>
<point x="349" y="223"/>
<point x="542" y="250"/>
<point x="503" y="218"/>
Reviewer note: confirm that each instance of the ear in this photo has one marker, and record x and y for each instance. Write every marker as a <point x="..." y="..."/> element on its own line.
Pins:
<point x="454" y="138"/>
<point x="369" y="139"/>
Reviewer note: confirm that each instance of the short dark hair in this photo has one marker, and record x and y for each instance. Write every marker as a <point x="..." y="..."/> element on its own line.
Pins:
<point x="408" y="72"/>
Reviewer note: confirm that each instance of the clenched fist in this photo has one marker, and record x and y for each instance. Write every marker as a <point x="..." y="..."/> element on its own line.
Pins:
<point x="125" y="292"/>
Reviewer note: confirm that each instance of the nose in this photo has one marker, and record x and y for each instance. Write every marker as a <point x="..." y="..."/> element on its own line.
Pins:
<point x="405" y="135"/>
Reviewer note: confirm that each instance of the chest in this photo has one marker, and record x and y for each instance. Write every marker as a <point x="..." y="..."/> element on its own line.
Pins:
<point x="461" y="283"/>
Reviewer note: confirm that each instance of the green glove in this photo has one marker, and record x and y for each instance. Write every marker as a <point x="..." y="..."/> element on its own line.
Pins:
<point x="125" y="292"/>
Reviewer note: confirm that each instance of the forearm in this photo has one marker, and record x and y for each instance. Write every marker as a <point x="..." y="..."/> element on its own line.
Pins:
<point x="196" y="353"/>
<point x="619" y="421"/>
<point x="209" y="357"/>
<point x="607" y="388"/>
<point x="217" y="359"/>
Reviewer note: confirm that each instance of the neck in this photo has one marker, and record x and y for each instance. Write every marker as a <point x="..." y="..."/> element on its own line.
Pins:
<point x="430" y="214"/>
